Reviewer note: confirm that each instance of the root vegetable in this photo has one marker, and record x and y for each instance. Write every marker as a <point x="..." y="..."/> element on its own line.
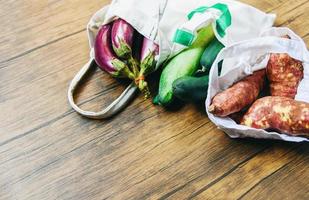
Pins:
<point x="238" y="96"/>
<point x="279" y="113"/>
<point x="284" y="74"/>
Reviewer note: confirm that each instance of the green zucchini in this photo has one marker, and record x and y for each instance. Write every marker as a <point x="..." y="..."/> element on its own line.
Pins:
<point x="185" y="63"/>
<point x="191" y="89"/>
<point x="210" y="54"/>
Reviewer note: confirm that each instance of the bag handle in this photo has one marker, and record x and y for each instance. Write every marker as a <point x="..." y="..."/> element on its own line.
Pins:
<point x="186" y="34"/>
<point x="115" y="107"/>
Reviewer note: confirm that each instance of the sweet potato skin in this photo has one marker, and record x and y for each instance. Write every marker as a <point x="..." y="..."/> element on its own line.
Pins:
<point x="284" y="74"/>
<point x="239" y="95"/>
<point x="282" y="114"/>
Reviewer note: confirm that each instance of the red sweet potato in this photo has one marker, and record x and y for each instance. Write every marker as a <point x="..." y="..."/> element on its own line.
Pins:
<point x="284" y="74"/>
<point x="282" y="114"/>
<point x="238" y="96"/>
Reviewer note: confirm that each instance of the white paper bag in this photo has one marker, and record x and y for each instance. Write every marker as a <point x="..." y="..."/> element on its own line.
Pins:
<point x="247" y="57"/>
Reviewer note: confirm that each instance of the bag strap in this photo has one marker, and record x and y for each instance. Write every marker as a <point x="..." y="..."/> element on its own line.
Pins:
<point x="115" y="107"/>
<point x="186" y="34"/>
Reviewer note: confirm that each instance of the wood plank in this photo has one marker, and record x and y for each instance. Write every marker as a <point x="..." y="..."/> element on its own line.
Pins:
<point x="291" y="14"/>
<point x="34" y="69"/>
<point x="40" y="23"/>
<point x="48" y="134"/>
<point x="253" y="172"/>
<point x="279" y="7"/>
<point x="49" y="152"/>
<point x="37" y="90"/>
<point x="120" y="157"/>
<point x="265" y="5"/>
<point x="29" y="25"/>
<point x="296" y="19"/>
<point x="290" y="181"/>
<point x="241" y="180"/>
<point x="260" y="167"/>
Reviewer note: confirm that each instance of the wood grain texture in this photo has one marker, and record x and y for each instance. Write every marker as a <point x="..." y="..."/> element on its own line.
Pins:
<point x="275" y="182"/>
<point x="47" y="151"/>
<point x="29" y="25"/>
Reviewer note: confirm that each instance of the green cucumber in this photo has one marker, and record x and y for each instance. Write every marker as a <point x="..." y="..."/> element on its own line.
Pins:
<point x="185" y="63"/>
<point x="191" y="89"/>
<point x="194" y="89"/>
<point x="210" y="54"/>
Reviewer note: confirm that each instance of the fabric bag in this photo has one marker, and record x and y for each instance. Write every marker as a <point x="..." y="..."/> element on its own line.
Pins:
<point x="173" y="24"/>
<point x="242" y="59"/>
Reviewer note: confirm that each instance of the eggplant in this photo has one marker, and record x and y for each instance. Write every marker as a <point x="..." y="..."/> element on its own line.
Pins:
<point x="149" y="52"/>
<point x="122" y="41"/>
<point x="106" y="58"/>
<point x="122" y="38"/>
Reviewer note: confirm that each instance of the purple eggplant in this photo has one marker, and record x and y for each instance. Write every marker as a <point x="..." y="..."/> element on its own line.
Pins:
<point x="106" y="58"/>
<point x="122" y="41"/>
<point x="122" y="38"/>
<point x="149" y="52"/>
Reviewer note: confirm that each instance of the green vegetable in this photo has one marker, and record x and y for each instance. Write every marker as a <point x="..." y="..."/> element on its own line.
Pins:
<point x="210" y="54"/>
<point x="194" y="89"/>
<point x="185" y="63"/>
<point x="191" y="89"/>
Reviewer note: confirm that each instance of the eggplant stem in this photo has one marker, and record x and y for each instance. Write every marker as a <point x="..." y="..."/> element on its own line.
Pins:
<point x="146" y="93"/>
<point x="122" y="69"/>
<point x="128" y="73"/>
<point x="142" y="86"/>
<point x="147" y="64"/>
<point x="144" y="89"/>
<point x="134" y="66"/>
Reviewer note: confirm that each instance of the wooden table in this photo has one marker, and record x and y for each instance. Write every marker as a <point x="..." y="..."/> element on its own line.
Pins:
<point x="47" y="151"/>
